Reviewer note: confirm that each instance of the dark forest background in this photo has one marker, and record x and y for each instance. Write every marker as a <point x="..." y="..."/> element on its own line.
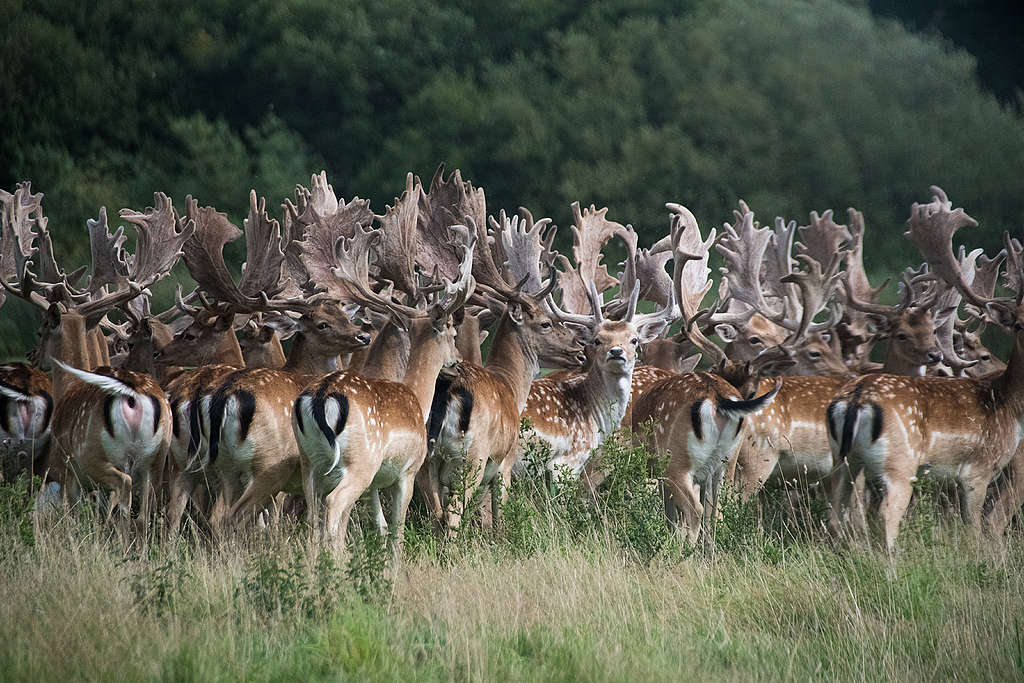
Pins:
<point x="792" y="105"/>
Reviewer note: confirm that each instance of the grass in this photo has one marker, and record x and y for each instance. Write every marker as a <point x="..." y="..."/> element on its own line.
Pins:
<point x="565" y="590"/>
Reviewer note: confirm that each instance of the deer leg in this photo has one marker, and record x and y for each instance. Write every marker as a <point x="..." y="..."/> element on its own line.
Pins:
<point x="378" y="513"/>
<point x="972" y="500"/>
<point x="753" y="466"/>
<point x="340" y="502"/>
<point x="893" y="507"/>
<point x="473" y="474"/>
<point x="309" y="492"/>
<point x="499" y="486"/>
<point x="685" y="498"/>
<point x="843" y="476"/>
<point x="428" y="481"/>
<point x="401" y="495"/>
<point x="1008" y="497"/>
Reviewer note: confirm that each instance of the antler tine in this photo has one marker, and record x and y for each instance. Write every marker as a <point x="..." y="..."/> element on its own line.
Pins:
<point x="204" y="254"/>
<point x="400" y="240"/>
<point x="743" y="246"/>
<point x="1014" y="278"/>
<point x="109" y="262"/>
<point x="450" y="201"/>
<point x="986" y="273"/>
<point x="264" y="257"/>
<point x="688" y="300"/>
<point x="779" y="264"/>
<point x="523" y="243"/>
<point x="161" y="236"/>
<point x="348" y="279"/>
<point x="17" y="239"/>
<point x="930" y="228"/>
<point x="817" y="286"/>
<point x="823" y="237"/>
<point x="459" y="291"/>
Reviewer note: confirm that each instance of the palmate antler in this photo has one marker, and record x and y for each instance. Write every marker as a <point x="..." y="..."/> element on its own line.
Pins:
<point x="931" y="227"/>
<point x="19" y="221"/>
<point x="526" y="244"/>
<point x="591" y="231"/>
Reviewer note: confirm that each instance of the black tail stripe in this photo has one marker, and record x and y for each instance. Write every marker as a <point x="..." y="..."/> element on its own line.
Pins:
<point x="49" y="406"/>
<point x="831" y="420"/>
<point x="158" y="412"/>
<point x="852" y="409"/>
<point x="298" y="413"/>
<point x="342" y="420"/>
<point x="217" y="406"/>
<point x="108" y="414"/>
<point x="467" y="407"/>
<point x="175" y="425"/>
<point x="698" y="428"/>
<point x="246" y="412"/>
<point x="876" y="428"/>
<point x="193" y="424"/>
<point x="438" y="408"/>
<point x="5" y="425"/>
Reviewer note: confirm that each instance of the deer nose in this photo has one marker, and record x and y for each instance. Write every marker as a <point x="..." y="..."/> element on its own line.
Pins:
<point x="581" y="358"/>
<point x="616" y="352"/>
<point x="934" y="356"/>
<point x="363" y="339"/>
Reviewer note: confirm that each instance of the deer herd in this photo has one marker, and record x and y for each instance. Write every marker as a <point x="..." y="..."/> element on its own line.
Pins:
<point x="197" y="412"/>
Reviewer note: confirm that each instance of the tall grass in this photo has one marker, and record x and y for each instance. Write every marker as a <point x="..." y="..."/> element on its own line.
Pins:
<point x="568" y="587"/>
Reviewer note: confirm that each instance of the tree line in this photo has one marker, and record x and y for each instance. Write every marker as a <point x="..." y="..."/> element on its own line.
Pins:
<point x="792" y="105"/>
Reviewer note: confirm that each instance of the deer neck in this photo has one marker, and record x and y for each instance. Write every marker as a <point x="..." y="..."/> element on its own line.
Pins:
<point x="468" y="340"/>
<point x="895" y="365"/>
<point x="228" y="352"/>
<point x="74" y="349"/>
<point x="306" y="359"/>
<point x="607" y="395"/>
<point x="425" y="362"/>
<point x="511" y="361"/>
<point x="388" y="356"/>
<point x="1010" y="385"/>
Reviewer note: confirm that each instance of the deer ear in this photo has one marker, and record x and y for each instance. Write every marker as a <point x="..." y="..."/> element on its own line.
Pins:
<point x="877" y="324"/>
<point x="282" y="323"/>
<point x="223" y="322"/>
<point x="727" y="332"/>
<point x="350" y="310"/>
<point x="515" y="313"/>
<point x="651" y="330"/>
<point x="689" y="364"/>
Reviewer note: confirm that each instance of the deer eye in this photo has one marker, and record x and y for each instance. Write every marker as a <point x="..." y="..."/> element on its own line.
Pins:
<point x="986" y="357"/>
<point x="545" y="325"/>
<point x="322" y="325"/>
<point x="814" y="355"/>
<point x="901" y="336"/>
<point x="756" y="341"/>
<point x="636" y="341"/>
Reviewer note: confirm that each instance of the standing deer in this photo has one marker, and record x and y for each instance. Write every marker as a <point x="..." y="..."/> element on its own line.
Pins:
<point x="358" y="434"/>
<point x="964" y="429"/>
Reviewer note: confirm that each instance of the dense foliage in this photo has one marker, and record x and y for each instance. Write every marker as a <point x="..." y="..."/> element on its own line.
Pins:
<point x="791" y="104"/>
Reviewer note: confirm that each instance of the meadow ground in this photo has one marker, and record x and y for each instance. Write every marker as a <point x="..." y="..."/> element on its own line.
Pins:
<point x="565" y="590"/>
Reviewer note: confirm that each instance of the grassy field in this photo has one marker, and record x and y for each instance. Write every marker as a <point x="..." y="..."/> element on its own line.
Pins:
<point x="563" y="591"/>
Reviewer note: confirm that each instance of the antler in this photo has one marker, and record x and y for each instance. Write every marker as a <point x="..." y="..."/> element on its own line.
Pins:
<point x="526" y="245"/>
<point x="450" y="202"/>
<point x="400" y="240"/>
<point x="109" y="261"/>
<point x="264" y="258"/>
<point x="20" y="218"/>
<point x="591" y="231"/>
<point x="823" y="237"/>
<point x="743" y="246"/>
<point x="817" y="286"/>
<point x="930" y="228"/>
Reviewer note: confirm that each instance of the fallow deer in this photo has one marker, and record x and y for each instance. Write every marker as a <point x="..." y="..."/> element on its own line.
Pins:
<point x="26" y="406"/>
<point x="358" y="434"/>
<point x="474" y="417"/>
<point x="963" y="429"/>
